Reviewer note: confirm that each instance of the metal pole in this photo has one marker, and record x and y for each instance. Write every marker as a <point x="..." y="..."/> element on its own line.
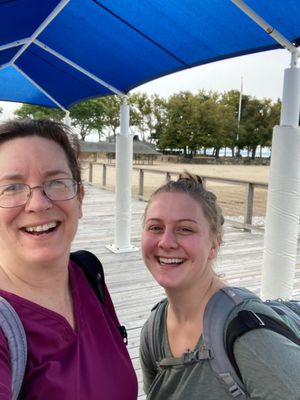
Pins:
<point x="240" y="103"/>
<point x="239" y="117"/>
<point x="270" y="30"/>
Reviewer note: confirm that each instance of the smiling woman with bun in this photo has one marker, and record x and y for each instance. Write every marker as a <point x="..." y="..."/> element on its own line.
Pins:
<point x="181" y="237"/>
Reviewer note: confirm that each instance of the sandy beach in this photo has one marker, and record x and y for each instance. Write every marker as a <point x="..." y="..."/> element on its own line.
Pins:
<point x="232" y="197"/>
<point x="253" y="173"/>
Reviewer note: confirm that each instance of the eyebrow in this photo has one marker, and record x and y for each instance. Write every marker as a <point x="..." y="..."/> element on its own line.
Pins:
<point x="12" y="176"/>
<point x="179" y="220"/>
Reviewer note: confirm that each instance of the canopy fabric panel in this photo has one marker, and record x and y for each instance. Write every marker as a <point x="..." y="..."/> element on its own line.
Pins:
<point x="72" y="50"/>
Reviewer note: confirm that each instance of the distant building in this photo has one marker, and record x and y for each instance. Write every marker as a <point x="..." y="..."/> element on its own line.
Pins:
<point x="143" y="152"/>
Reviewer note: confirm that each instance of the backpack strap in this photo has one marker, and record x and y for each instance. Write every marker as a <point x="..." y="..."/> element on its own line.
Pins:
<point x="151" y="329"/>
<point x="189" y="357"/>
<point x="13" y="330"/>
<point x="216" y="313"/>
<point x="93" y="271"/>
<point x="246" y="321"/>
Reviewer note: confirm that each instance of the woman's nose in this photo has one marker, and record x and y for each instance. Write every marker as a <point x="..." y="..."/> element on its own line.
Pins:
<point x="168" y="240"/>
<point x="38" y="201"/>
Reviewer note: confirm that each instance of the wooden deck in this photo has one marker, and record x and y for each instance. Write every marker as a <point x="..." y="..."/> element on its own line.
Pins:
<point x="132" y="288"/>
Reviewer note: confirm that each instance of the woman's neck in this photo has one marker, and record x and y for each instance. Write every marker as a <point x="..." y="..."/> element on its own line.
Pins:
<point x="48" y="287"/>
<point x="185" y="315"/>
<point x="189" y="303"/>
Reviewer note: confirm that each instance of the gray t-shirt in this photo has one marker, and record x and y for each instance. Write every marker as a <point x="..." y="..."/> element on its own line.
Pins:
<point x="269" y="364"/>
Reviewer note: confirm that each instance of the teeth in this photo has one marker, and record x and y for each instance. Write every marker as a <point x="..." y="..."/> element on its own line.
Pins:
<point x="41" y="228"/>
<point x="170" y="260"/>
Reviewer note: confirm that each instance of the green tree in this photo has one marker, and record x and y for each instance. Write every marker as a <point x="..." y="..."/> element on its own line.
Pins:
<point x="141" y="113"/>
<point x="81" y="115"/>
<point x="39" y="112"/>
<point x="273" y="120"/>
<point x="112" y="105"/>
<point x="259" y="117"/>
<point x="234" y="130"/>
<point x="209" y="117"/>
<point x="159" y="111"/>
<point x="180" y="129"/>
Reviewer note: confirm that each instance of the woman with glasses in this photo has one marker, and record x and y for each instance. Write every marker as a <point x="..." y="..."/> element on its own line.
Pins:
<point x="74" y="349"/>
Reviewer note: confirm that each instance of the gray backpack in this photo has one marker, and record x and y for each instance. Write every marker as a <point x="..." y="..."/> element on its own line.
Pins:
<point x="218" y="345"/>
<point x="16" y="338"/>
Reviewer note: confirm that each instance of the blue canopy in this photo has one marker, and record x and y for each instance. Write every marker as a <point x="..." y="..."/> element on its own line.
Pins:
<point x="56" y="53"/>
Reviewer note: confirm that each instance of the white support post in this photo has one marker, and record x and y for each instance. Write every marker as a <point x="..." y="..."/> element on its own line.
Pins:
<point x="283" y="204"/>
<point x="67" y="120"/>
<point x="124" y="150"/>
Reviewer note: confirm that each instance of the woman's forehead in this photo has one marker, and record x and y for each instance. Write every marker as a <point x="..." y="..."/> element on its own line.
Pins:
<point x="20" y="154"/>
<point x="178" y="203"/>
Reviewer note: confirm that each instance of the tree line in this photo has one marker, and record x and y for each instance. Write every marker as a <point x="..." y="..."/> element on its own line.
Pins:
<point x="185" y="122"/>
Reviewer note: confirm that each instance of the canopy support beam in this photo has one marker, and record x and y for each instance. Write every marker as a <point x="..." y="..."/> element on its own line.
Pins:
<point x="124" y="157"/>
<point x="40" y="88"/>
<point x="270" y="30"/>
<point x="78" y="68"/>
<point x="40" y="29"/>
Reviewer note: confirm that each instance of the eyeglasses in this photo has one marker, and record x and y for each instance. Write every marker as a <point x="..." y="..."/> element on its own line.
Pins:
<point x="17" y="194"/>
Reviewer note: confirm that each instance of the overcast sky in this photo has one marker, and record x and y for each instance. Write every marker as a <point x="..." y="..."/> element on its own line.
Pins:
<point x="262" y="76"/>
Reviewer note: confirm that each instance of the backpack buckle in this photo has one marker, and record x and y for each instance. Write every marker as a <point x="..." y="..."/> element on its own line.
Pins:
<point x="123" y="331"/>
<point x="190" y="357"/>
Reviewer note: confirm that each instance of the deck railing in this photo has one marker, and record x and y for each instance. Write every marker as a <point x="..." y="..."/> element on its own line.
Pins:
<point x="243" y="202"/>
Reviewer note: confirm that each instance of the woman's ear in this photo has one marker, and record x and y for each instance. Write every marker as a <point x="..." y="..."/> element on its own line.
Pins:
<point x="80" y="198"/>
<point x="215" y="245"/>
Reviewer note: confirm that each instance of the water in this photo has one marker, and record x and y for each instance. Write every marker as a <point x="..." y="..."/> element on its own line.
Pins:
<point x="265" y="152"/>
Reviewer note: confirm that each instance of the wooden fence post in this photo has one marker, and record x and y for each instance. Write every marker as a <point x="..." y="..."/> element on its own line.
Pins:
<point x="141" y="184"/>
<point x="90" y="172"/>
<point x="249" y="205"/>
<point x="104" y="175"/>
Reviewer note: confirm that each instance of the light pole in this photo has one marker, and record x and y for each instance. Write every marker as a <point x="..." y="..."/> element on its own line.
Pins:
<point x="239" y="117"/>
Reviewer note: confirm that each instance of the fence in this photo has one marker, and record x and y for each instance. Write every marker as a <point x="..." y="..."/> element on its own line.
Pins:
<point x="243" y="202"/>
